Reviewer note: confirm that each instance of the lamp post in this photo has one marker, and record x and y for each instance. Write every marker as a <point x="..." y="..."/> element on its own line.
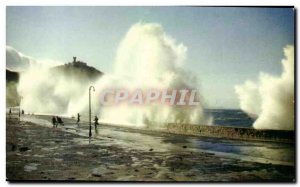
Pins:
<point x="90" y="111"/>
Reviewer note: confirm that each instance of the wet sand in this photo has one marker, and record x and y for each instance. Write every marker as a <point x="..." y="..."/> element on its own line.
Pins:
<point x="35" y="152"/>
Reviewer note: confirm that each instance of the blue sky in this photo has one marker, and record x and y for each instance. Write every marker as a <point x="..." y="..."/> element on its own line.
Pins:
<point x="226" y="46"/>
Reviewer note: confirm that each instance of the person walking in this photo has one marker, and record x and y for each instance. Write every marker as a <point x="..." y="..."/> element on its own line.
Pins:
<point x="54" y="121"/>
<point x="96" y="122"/>
<point x="59" y="120"/>
<point x="78" y="119"/>
<point x="9" y="112"/>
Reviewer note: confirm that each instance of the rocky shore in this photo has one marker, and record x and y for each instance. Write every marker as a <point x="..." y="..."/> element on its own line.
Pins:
<point x="40" y="153"/>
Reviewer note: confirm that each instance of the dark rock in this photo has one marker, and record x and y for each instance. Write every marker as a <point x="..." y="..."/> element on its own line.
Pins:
<point x="97" y="172"/>
<point x="136" y="170"/>
<point x="151" y="149"/>
<point x="96" y="175"/>
<point x="190" y="175"/>
<point x="109" y="173"/>
<point x="184" y="146"/>
<point x="23" y="149"/>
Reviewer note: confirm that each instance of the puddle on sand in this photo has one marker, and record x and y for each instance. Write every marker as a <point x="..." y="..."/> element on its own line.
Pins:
<point x="30" y="167"/>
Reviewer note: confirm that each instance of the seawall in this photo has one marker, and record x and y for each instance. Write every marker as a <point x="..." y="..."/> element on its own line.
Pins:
<point x="284" y="136"/>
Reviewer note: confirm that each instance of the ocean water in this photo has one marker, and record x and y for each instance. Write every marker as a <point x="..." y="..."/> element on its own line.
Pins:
<point x="230" y="117"/>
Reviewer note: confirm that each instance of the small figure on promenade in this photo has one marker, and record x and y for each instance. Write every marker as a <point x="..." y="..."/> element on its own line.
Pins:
<point x="59" y="120"/>
<point x="54" y="121"/>
<point x="96" y="122"/>
<point x="9" y="112"/>
<point x="78" y="119"/>
<point x="22" y="112"/>
<point x="96" y="131"/>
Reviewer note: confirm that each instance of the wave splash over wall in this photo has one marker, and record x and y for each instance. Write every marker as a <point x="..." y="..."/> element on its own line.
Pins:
<point x="147" y="58"/>
<point x="271" y="100"/>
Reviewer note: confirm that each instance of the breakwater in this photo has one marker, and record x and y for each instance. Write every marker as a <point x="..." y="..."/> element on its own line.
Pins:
<point x="232" y="132"/>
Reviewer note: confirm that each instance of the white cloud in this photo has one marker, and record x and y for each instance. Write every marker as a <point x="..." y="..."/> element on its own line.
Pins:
<point x="17" y="61"/>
